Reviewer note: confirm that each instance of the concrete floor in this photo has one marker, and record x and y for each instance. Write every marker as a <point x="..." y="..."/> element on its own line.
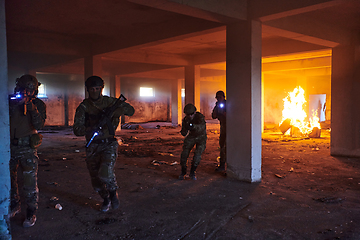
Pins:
<point x="304" y="194"/>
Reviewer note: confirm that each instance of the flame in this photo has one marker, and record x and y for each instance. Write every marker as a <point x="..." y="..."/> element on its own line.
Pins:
<point x="314" y="120"/>
<point x="293" y="110"/>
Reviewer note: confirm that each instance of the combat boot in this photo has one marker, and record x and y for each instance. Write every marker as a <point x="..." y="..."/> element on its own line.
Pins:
<point x="106" y="205"/>
<point x="14" y="210"/>
<point x="115" y="203"/>
<point x="30" y="218"/>
<point x="192" y="172"/>
<point x="183" y="173"/>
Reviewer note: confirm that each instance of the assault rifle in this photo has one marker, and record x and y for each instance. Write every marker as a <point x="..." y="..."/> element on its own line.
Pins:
<point x="106" y="119"/>
<point x="17" y="97"/>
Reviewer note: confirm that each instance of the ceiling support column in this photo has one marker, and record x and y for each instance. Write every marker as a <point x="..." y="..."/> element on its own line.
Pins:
<point x="176" y="102"/>
<point x="262" y="104"/>
<point x="345" y="100"/>
<point x="92" y="67"/>
<point x="117" y="92"/>
<point x="117" y="86"/>
<point x="4" y="131"/>
<point x="192" y="86"/>
<point x="243" y="110"/>
<point x="112" y="91"/>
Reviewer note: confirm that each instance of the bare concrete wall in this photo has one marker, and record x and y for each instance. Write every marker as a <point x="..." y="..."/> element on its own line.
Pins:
<point x="275" y="90"/>
<point x="64" y="93"/>
<point x="321" y="85"/>
<point x="154" y="108"/>
<point x="208" y="88"/>
<point x="158" y="108"/>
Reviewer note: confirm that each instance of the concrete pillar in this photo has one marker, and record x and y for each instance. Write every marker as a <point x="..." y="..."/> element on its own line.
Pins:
<point x="66" y="106"/>
<point x="176" y="102"/>
<point x="192" y="86"/>
<point x="117" y="92"/>
<point x="243" y="87"/>
<point x="112" y="86"/>
<point x="345" y="100"/>
<point x="117" y="86"/>
<point x="4" y="131"/>
<point x="92" y="66"/>
<point x="262" y="103"/>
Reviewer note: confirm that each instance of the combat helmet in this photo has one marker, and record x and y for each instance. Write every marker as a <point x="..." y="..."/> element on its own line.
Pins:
<point x="94" y="81"/>
<point x="27" y="81"/>
<point x="220" y="93"/>
<point x="189" y="109"/>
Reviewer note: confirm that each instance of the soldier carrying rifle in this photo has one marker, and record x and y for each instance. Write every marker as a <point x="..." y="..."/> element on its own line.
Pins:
<point x="219" y="112"/>
<point x="27" y="115"/>
<point x="194" y="130"/>
<point x="97" y="118"/>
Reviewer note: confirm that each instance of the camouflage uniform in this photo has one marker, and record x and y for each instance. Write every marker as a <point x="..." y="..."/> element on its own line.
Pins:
<point x="102" y="153"/>
<point x="23" y="131"/>
<point x="220" y="114"/>
<point x="197" y="136"/>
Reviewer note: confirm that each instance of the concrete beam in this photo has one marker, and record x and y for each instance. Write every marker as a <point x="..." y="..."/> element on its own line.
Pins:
<point x="204" y="72"/>
<point x="226" y="11"/>
<point x="174" y="73"/>
<point x="298" y="56"/>
<point x="281" y="45"/>
<point x="143" y="56"/>
<point x="313" y="72"/>
<point x="320" y="62"/>
<point x="292" y="34"/>
<point x="308" y="30"/>
<point x="275" y="9"/>
<point x="123" y="68"/>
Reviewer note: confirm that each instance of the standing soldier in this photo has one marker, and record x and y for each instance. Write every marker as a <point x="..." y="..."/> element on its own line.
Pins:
<point x="27" y="115"/>
<point x="97" y="118"/>
<point x="219" y="112"/>
<point x="194" y="124"/>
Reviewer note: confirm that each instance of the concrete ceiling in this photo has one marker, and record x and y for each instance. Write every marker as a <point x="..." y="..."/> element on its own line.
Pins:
<point x="133" y="36"/>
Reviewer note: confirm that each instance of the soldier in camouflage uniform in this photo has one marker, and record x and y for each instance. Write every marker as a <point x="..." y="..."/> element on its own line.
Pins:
<point x="27" y="115"/>
<point x="194" y="124"/>
<point x="102" y="153"/>
<point x="219" y="112"/>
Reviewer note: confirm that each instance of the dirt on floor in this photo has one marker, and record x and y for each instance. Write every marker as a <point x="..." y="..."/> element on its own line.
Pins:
<point x="304" y="194"/>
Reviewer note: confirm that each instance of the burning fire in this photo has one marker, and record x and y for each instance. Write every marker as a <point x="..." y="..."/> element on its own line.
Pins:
<point x="293" y="111"/>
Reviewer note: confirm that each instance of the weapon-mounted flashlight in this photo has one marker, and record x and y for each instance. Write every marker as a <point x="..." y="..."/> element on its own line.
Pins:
<point x="92" y="138"/>
<point x="16" y="96"/>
